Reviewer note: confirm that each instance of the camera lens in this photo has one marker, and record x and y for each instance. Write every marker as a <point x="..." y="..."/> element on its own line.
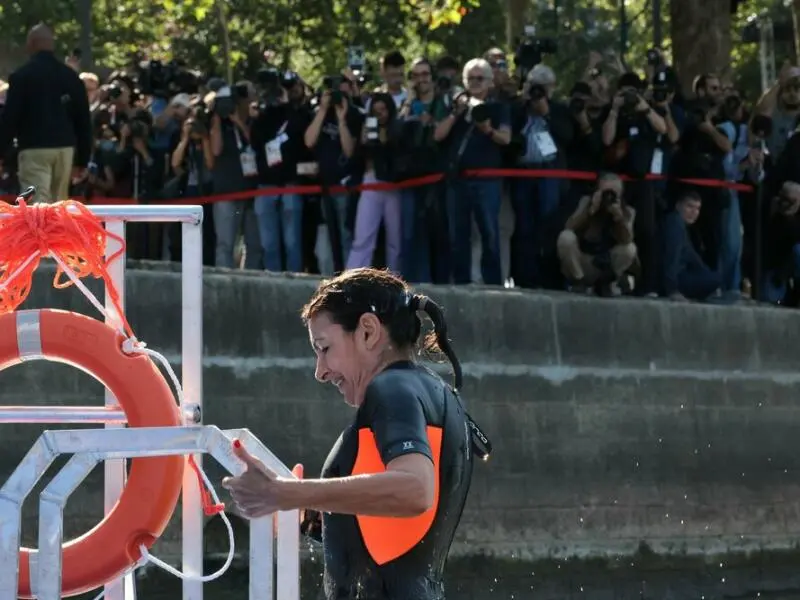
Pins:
<point x="577" y="105"/>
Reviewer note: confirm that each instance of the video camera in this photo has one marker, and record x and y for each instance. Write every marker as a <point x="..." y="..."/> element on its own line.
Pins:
<point x="531" y="50"/>
<point x="166" y="80"/>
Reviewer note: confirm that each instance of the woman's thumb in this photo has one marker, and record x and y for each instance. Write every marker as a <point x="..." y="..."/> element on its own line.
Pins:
<point x="243" y="455"/>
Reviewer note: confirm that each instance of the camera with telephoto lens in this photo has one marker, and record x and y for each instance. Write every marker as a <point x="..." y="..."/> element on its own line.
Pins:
<point x="268" y="82"/>
<point x="332" y="83"/>
<point x="478" y="111"/>
<point x="653" y="58"/>
<point x="607" y="199"/>
<point x="201" y="120"/>
<point x="536" y="92"/>
<point x="166" y="80"/>
<point x="697" y="112"/>
<point x="660" y="94"/>
<point x="630" y="99"/>
<point x="530" y="51"/>
<point x="114" y="91"/>
<point x="577" y="105"/>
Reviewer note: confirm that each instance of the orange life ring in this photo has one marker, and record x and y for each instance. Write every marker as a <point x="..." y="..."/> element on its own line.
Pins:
<point x="154" y="484"/>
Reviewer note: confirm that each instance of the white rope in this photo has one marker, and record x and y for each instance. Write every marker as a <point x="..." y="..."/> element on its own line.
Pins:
<point x="133" y="346"/>
<point x="19" y="270"/>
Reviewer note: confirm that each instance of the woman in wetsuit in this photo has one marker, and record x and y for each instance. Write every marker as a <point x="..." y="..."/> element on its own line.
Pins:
<point x="408" y="453"/>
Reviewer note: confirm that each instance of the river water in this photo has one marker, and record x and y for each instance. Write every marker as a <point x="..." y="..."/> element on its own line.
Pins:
<point x="764" y="577"/>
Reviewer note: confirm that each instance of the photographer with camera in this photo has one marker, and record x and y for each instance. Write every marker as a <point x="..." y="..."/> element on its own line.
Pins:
<point x="235" y="170"/>
<point x="630" y="134"/>
<point x="782" y="252"/>
<point x="685" y="275"/>
<point x="702" y="153"/>
<point x="192" y="162"/>
<point x="277" y="134"/>
<point x="585" y="151"/>
<point x="596" y="248"/>
<point x="540" y="136"/>
<point x="169" y="117"/>
<point x="333" y="137"/>
<point x="425" y="247"/>
<point x="379" y="144"/>
<point x="138" y="175"/>
<point x="475" y="134"/>
<point x="781" y="103"/>
<point x="757" y="170"/>
<point x="733" y="123"/>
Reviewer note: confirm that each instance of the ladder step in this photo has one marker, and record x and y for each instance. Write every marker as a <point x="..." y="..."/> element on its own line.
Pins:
<point x="63" y="414"/>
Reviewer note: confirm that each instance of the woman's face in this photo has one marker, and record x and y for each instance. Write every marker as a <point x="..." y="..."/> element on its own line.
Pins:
<point x="381" y="112"/>
<point x="347" y="360"/>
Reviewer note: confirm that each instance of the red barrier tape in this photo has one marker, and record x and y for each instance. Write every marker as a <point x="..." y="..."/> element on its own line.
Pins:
<point x="308" y="190"/>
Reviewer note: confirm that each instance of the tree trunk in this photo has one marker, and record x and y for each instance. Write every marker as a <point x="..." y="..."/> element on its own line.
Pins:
<point x="84" y="10"/>
<point x="701" y="38"/>
<point x="796" y="22"/>
<point x="516" y="15"/>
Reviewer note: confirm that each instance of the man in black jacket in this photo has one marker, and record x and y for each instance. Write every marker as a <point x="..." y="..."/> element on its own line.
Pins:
<point x="47" y="111"/>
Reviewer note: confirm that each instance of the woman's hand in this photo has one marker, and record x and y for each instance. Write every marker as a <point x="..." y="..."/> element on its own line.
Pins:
<point x="258" y="491"/>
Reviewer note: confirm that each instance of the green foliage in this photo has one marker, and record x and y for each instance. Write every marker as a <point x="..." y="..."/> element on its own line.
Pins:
<point x="312" y="35"/>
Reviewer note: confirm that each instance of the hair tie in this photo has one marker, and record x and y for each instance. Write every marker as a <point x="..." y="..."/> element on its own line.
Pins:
<point x="421" y="301"/>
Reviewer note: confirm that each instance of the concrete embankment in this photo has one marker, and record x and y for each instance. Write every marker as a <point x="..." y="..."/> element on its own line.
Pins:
<point x="663" y="432"/>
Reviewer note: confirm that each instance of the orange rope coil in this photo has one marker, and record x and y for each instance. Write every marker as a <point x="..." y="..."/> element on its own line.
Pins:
<point x="67" y="230"/>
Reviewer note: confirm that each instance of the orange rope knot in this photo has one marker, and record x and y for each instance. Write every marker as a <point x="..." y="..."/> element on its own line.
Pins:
<point x="68" y="231"/>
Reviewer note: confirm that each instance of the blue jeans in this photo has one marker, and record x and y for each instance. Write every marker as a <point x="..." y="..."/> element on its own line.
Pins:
<point x="730" y="246"/>
<point x="425" y="256"/>
<point x="481" y="197"/>
<point x="533" y="200"/>
<point x="230" y="217"/>
<point x="280" y="219"/>
<point x="340" y="204"/>
<point x="774" y="291"/>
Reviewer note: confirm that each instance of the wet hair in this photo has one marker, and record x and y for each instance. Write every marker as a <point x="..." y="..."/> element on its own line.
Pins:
<point x="358" y="291"/>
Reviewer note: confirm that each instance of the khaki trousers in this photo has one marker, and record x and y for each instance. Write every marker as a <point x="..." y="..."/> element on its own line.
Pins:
<point x="578" y="266"/>
<point x="49" y="170"/>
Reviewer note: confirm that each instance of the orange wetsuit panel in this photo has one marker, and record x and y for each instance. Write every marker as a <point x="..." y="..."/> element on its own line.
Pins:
<point x="388" y="538"/>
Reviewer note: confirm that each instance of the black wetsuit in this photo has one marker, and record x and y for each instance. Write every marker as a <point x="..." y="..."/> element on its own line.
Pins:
<point x="399" y="406"/>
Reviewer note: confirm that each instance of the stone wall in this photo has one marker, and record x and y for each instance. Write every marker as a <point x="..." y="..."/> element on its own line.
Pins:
<point x="619" y="426"/>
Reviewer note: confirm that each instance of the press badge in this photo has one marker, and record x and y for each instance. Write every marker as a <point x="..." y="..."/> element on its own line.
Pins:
<point x="272" y="150"/>
<point x="545" y="144"/>
<point x="248" y="161"/>
<point x="657" y="164"/>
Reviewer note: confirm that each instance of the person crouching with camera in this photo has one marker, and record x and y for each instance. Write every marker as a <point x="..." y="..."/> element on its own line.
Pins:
<point x="280" y="121"/>
<point x="474" y="134"/>
<point x="596" y="248"/>
<point x="379" y="141"/>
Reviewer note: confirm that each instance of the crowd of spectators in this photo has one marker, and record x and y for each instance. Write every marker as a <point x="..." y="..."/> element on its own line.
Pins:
<point x="644" y="225"/>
